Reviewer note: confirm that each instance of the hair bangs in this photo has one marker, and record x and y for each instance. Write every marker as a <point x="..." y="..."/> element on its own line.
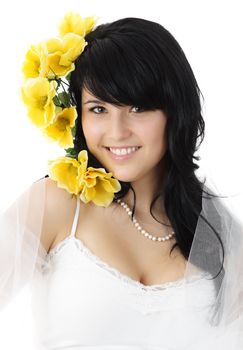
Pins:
<point x="115" y="72"/>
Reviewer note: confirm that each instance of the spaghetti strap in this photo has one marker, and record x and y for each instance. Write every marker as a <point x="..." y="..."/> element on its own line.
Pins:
<point x="75" y="220"/>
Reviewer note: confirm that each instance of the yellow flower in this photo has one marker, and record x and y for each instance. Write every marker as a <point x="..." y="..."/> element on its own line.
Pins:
<point x="65" y="171"/>
<point x="60" y="129"/>
<point x="60" y="53"/>
<point x="37" y="95"/>
<point x="83" y="160"/>
<point x="99" y="187"/>
<point x="74" y="23"/>
<point x="32" y="65"/>
<point x="91" y="184"/>
<point x="68" y="171"/>
<point x="56" y="56"/>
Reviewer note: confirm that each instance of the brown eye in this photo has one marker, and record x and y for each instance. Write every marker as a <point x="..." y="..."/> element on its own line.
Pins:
<point x="138" y="109"/>
<point x="99" y="108"/>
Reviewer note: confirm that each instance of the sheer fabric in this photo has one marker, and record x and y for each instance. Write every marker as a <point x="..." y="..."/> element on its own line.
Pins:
<point x="226" y="315"/>
<point x="23" y="257"/>
<point x="21" y="251"/>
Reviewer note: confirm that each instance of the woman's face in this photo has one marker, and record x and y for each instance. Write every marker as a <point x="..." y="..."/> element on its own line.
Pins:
<point x="105" y="125"/>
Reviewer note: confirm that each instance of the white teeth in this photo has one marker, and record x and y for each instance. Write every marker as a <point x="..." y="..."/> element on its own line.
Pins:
<point x="123" y="151"/>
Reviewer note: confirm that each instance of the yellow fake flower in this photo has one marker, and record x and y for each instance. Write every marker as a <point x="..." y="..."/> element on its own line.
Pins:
<point x="98" y="187"/>
<point x="91" y="184"/>
<point x="60" y="129"/>
<point x="32" y="65"/>
<point x="74" y="23"/>
<point x="37" y="95"/>
<point x="60" y="54"/>
<point x="65" y="170"/>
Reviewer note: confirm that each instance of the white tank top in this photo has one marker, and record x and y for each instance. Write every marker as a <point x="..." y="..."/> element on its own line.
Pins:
<point x="81" y="302"/>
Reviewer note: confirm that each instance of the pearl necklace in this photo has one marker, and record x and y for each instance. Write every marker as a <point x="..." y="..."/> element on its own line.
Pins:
<point x="143" y="232"/>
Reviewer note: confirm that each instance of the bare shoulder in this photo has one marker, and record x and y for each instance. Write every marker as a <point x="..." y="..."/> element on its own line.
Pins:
<point x="57" y="198"/>
<point x="59" y="210"/>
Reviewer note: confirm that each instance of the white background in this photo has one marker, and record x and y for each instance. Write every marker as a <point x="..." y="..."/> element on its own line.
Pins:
<point x="210" y="33"/>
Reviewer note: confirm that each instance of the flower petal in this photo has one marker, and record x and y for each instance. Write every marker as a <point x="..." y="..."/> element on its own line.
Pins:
<point x="74" y="23"/>
<point x="37" y="94"/>
<point x="60" y="129"/>
<point x="64" y="170"/>
<point x="102" y="197"/>
<point x="87" y="194"/>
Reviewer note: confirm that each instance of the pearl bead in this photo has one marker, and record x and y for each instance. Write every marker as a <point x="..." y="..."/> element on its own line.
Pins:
<point x="139" y="228"/>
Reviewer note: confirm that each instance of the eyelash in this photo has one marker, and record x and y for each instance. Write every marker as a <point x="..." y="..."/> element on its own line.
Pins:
<point x="92" y="109"/>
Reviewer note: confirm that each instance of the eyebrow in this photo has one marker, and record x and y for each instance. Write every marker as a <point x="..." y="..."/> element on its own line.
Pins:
<point x="93" y="101"/>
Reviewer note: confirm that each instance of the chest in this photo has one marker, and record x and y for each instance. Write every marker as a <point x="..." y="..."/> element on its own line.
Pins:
<point x="110" y="235"/>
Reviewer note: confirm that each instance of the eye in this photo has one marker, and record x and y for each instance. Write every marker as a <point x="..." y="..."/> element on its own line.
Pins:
<point x="98" y="107"/>
<point x="140" y="109"/>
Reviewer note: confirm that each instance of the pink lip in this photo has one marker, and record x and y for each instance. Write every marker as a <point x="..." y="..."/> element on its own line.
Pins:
<point x="120" y="147"/>
<point x="123" y="157"/>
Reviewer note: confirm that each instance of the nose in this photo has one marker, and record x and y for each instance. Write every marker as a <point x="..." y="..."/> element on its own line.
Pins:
<point x="119" y="128"/>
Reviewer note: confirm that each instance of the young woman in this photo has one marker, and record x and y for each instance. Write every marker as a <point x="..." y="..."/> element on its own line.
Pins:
<point x="172" y="278"/>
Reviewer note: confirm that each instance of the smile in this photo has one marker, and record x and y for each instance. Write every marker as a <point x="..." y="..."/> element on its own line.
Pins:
<point x="122" y="154"/>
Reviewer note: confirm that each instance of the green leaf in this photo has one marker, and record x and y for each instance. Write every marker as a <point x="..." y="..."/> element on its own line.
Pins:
<point x="56" y="101"/>
<point x="71" y="152"/>
<point x="68" y="76"/>
<point x="64" y="97"/>
<point x="73" y="131"/>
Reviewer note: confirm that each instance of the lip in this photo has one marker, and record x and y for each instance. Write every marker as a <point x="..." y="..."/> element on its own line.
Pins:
<point x="121" y="157"/>
<point x="121" y="147"/>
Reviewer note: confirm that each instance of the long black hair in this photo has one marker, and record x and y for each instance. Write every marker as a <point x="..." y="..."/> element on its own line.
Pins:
<point x="133" y="61"/>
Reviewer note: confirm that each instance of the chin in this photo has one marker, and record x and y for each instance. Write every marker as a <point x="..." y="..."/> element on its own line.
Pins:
<point x="123" y="178"/>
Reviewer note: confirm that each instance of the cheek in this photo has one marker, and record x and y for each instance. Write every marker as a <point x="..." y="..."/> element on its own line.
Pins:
<point x="91" y="131"/>
<point x="85" y="126"/>
<point x="154" y="133"/>
<point x="156" y="139"/>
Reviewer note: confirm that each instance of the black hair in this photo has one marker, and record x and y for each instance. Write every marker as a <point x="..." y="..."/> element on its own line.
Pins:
<point x="133" y="61"/>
